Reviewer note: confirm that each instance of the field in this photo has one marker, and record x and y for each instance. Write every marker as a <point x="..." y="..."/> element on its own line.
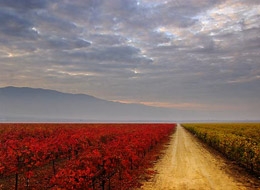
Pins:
<point x="78" y="156"/>
<point x="239" y="142"/>
<point x="125" y="156"/>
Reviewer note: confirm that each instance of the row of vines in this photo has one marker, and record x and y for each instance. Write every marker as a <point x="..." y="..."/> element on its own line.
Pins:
<point x="77" y="156"/>
<point x="237" y="141"/>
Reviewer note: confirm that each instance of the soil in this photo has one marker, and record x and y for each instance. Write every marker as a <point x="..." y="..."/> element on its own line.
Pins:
<point x="189" y="164"/>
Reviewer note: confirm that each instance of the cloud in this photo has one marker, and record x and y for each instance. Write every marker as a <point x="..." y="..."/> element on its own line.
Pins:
<point x="64" y="43"/>
<point x="24" y="5"/>
<point x="197" y="51"/>
<point x="107" y="39"/>
<point x="14" y="25"/>
<point x="120" y="54"/>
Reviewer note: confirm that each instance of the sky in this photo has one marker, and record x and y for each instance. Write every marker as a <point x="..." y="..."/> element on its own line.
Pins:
<point x="196" y="55"/>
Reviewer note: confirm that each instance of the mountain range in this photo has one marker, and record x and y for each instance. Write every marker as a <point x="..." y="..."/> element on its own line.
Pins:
<point x="31" y="104"/>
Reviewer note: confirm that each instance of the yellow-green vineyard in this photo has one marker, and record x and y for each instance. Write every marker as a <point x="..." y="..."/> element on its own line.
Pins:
<point x="237" y="141"/>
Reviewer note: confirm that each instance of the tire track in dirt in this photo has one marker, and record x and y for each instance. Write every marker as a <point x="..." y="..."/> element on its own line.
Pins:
<point x="186" y="164"/>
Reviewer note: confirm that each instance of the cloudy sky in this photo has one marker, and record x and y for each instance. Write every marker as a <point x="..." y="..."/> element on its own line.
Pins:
<point x="199" y="55"/>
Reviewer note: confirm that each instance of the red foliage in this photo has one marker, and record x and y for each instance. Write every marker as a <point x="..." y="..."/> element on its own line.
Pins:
<point x="81" y="156"/>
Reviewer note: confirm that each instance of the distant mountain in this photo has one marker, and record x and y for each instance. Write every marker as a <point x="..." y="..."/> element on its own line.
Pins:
<point x="30" y="104"/>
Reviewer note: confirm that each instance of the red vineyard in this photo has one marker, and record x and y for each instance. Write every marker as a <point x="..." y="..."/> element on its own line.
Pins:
<point x="78" y="156"/>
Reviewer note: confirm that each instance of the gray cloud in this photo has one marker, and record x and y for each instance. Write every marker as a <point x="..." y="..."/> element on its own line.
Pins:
<point x="15" y="25"/>
<point x="121" y="54"/>
<point x="23" y="5"/>
<point x="199" y="52"/>
<point x="64" y="44"/>
<point x="107" y="39"/>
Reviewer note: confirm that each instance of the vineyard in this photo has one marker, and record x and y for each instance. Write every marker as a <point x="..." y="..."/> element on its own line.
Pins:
<point x="78" y="156"/>
<point x="238" y="142"/>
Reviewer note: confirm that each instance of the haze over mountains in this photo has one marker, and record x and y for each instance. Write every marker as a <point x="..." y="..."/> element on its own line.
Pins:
<point x="29" y="104"/>
<point x="23" y="104"/>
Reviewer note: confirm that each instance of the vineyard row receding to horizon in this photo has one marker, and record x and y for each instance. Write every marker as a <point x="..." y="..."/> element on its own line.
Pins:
<point x="239" y="142"/>
<point x="78" y="156"/>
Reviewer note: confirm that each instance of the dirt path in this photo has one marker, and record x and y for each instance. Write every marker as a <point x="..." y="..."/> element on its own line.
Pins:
<point x="187" y="164"/>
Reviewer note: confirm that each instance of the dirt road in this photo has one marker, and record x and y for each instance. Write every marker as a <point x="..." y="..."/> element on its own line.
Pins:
<point x="187" y="164"/>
